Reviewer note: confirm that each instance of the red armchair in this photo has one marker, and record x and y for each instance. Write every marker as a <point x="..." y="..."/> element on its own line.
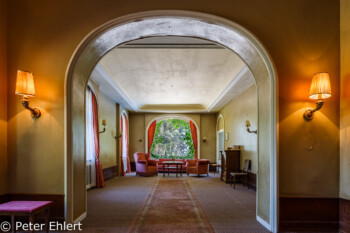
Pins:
<point x="144" y="165"/>
<point x="198" y="166"/>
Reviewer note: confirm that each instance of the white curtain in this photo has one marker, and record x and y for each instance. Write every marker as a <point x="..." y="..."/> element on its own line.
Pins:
<point x="125" y="161"/>
<point x="90" y="145"/>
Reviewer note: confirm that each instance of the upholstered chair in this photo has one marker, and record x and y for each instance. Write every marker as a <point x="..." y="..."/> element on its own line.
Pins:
<point x="198" y="166"/>
<point x="144" y="165"/>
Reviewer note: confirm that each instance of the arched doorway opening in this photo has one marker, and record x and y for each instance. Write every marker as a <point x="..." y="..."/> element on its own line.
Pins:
<point x="220" y="137"/>
<point x="173" y="23"/>
<point x="179" y="117"/>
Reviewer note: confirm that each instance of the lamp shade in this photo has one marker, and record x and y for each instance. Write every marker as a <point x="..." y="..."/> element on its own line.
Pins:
<point x="320" y="86"/>
<point x="25" y="83"/>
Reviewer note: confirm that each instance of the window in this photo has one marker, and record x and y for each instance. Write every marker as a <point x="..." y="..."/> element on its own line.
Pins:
<point x="90" y="142"/>
<point x="172" y="139"/>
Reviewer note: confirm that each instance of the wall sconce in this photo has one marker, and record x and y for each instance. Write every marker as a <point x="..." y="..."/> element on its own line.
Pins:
<point x="119" y="136"/>
<point x="204" y="139"/>
<point x="25" y="87"/>
<point x="320" y="89"/>
<point x="247" y="125"/>
<point x="104" y="123"/>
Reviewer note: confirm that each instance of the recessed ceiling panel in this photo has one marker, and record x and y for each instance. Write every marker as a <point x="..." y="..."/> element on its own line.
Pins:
<point x="174" y="77"/>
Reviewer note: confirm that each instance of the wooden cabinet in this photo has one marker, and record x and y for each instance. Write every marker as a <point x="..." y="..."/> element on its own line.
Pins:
<point x="230" y="162"/>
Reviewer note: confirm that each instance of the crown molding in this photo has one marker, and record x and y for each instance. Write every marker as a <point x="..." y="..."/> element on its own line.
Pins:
<point x="106" y="84"/>
<point x="243" y="80"/>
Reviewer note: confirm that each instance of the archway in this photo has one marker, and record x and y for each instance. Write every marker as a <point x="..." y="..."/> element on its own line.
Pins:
<point x="173" y="23"/>
<point x="220" y="131"/>
<point x="173" y="116"/>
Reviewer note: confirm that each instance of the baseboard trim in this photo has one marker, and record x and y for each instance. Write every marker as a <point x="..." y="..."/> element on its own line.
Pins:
<point x="264" y="223"/>
<point x="132" y="166"/>
<point x="252" y="180"/>
<point x="80" y="218"/>
<point x="309" y="214"/>
<point x="344" y="215"/>
<point x="110" y="172"/>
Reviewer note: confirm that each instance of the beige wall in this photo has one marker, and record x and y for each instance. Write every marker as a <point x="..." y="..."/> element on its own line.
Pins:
<point x="108" y="144"/>
<point x="137" y="134"/>
<point x="109" y="110"/>
<point x="345" y="99"/>
<point x="236" y="112"/>
<point x="208" y="130"/>
<point x="301" y="36"/>
<point x="3" y="98"/>
<point x="139" y="123"/>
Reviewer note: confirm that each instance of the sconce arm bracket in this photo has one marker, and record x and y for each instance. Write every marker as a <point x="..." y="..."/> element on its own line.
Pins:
<point x="117" y="137"/>
<point x="104" y="130"/>
<point x="252" y="131"/>
<point x="34" y="111"/>
<point x="309" y="114"/>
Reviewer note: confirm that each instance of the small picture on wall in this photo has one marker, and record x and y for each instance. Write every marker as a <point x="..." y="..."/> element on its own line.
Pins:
<point x="226" y="136"/>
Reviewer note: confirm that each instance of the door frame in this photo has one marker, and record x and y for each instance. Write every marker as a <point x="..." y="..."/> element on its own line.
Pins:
<point x="218" y="143"/>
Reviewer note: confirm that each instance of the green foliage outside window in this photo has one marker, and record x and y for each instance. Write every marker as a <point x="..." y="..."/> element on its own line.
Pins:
<point x="172" y="139"/>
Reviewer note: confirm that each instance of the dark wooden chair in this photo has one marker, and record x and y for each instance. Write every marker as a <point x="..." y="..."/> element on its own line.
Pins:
<point x="243" y="176"/>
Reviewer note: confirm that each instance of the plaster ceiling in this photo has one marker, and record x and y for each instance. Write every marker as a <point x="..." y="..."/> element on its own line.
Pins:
<point x="172" y="75"/>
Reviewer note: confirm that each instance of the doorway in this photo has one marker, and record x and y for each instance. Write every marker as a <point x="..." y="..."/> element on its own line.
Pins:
<point x="176" y="23"/>
<point x="220" y="145"/>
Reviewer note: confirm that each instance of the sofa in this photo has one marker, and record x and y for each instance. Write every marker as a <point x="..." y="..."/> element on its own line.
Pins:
<point x="172" y="167"/>
<point x="197" y="166"/>
<point x="144" y="165"/>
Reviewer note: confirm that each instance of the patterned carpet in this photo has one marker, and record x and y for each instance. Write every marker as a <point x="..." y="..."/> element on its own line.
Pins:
<point x="171" y="207"/>
<point x="113" y="208"/>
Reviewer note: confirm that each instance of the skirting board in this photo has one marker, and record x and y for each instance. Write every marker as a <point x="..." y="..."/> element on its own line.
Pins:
<point x="110" y="172"/>
<point x="344" y="215"/>
<point x="308" y="214"/>
<point x="81" y="218"/>
<point x="264" y="223"/>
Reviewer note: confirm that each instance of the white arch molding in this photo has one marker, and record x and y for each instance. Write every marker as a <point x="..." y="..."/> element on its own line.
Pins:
<point x="217" y="122"/>
<point x="172" y="23"/>
<point x="217" y="134"/>
<point x="173" y="116"/>
<point x="123" y="113"/>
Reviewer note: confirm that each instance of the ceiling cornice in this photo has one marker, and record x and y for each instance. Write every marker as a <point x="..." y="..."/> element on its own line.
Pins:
<point x="243" y="80"/>
<point x="111" y="89"/>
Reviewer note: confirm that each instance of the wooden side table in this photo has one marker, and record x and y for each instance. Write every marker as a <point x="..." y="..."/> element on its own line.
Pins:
<point x="176" y="163"/>
<point x="216" y="166"/>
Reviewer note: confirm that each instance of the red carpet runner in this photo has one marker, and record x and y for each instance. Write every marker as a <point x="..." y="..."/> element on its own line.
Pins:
<point x="171" y="207"/>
